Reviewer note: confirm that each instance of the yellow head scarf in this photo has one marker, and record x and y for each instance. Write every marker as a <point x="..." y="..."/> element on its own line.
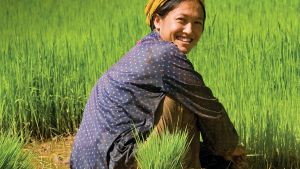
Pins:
<point x="151" y="7"/>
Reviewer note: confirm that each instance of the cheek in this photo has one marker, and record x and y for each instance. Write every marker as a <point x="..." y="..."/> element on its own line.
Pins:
<point x="169" y="33"/>
<point x="164" y="34"/>
<point x="198" y="34"/>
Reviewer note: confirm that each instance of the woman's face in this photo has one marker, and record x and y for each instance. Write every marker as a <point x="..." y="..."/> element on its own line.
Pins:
<point x="183" y="25"/>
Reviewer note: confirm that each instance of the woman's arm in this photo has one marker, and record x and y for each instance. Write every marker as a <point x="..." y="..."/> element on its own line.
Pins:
<point x="185" y="85"/>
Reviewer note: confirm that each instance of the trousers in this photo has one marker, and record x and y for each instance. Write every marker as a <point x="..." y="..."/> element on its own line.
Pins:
<point x="172" y="116"/>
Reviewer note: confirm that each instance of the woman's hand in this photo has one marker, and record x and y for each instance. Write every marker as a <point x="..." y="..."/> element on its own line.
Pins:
<point x="238" y="157"/>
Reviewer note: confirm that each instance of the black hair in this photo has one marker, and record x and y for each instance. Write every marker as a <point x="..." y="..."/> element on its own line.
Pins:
<point x="169" y="6"/>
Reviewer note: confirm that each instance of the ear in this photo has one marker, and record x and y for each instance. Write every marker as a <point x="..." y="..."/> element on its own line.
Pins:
<point x="157" y="21"/>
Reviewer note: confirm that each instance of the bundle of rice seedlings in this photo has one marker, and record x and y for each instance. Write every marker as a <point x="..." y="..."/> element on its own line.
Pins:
<point x="11" y="154"/>
<point x="164" y="151"/>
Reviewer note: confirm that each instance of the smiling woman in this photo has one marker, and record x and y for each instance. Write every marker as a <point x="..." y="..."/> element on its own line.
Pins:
<point x="154" y="86"/>
<point x="183" y="25"/>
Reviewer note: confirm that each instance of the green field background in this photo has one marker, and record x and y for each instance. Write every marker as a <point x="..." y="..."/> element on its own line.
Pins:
<point x="53" y="51"/>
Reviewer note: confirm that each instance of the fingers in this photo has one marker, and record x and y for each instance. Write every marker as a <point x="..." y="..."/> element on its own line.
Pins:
<point x="238" y="157"/>
<point x="239" y="151"/>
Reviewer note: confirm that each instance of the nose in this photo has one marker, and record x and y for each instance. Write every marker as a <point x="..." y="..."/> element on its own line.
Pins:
<point x="188" y="29"/>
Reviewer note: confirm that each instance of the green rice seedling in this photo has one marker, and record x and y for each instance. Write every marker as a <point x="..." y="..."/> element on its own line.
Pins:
<point x="11" y="154"/>
<point x="163" y="151"/>
<point x="52" y="52"/>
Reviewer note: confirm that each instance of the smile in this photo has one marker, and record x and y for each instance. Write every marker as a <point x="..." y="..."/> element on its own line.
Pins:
<point x="184" y="39"/>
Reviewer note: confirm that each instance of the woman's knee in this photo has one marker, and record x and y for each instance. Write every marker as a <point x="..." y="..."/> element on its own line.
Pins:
<point x="173" y="115"/>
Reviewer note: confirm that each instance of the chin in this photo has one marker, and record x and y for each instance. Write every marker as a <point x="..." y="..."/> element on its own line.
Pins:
<point x="184" y="50"/>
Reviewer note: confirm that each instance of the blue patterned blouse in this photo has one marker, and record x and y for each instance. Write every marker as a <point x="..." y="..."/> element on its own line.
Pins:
<point x="127" y="96"/>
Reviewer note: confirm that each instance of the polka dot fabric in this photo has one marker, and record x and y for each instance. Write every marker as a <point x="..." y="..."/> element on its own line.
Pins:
<point x="126" y="98"/>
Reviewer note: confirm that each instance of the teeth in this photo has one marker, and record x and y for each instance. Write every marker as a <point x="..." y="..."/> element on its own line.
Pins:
<point x="185" y="39"/>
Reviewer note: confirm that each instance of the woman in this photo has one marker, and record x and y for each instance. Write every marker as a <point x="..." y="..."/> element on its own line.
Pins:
<point x="155" y="86"/>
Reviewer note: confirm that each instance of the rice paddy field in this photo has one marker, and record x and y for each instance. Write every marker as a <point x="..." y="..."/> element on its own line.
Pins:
<point x="52" y="52"/>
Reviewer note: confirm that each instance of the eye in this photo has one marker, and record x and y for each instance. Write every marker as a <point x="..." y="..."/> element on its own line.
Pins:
<point x="181" y="20"/>
<point x="199" y="22"/>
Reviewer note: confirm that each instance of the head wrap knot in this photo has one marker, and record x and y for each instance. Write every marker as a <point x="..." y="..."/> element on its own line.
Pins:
<point x="151" y="7"/>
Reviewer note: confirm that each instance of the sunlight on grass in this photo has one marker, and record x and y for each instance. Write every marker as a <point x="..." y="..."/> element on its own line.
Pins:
<point x="11" y="154"/>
